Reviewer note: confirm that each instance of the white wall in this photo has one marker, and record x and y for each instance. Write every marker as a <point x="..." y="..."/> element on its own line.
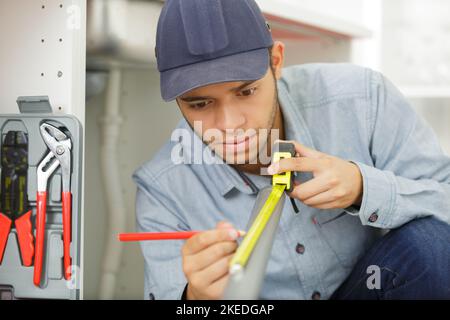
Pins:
<point x="416" y="50"/>
<point x="349" y="10"/>
<point x="416" y="57"/>
<point x="436" y="112"/>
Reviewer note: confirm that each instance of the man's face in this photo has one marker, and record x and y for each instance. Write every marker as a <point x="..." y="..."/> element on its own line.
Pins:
<point x="236" y="117"/>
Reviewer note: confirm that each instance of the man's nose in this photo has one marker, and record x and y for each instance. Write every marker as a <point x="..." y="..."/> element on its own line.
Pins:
<point x="230" y="117"/>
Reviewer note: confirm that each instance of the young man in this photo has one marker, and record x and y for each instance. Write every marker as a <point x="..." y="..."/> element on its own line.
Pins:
<point x="365" y="162"/>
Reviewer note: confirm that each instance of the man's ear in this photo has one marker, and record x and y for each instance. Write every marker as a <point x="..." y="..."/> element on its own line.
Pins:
<point x="277" y="58"/>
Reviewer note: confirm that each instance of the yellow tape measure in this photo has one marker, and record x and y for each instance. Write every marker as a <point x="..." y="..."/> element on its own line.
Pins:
<point x="281" y="182"/>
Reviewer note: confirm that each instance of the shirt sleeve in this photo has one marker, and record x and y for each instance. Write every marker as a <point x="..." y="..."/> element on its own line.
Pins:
<point x="164" y="277"/>
<point x="410" y="175"/>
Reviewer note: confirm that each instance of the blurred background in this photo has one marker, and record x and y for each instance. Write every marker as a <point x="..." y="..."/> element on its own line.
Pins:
<point x="126" y="120"/>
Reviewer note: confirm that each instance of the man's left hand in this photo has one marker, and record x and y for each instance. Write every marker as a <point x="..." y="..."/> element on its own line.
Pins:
<point x="337" y="183"/>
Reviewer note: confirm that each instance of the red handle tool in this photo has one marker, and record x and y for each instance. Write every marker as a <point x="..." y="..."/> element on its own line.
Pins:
<point x="67" y="232"/>
<point x="40" y="234"/>
<point x="15" y="210"/>
<point x="41" y="207"/>
<point x="24" y="236"/>
<point x="5" y="227"/>
<point x="60" y="145"/>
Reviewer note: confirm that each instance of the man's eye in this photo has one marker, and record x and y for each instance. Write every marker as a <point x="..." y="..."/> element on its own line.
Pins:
<point x="247" y="92"/>
<point x="199" y="105"/>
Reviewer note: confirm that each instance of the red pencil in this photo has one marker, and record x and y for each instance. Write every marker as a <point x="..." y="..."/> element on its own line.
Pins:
<point x="145" y="236"/>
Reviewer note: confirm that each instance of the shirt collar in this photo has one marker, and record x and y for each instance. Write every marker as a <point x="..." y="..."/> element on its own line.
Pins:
<point x="224" y="176"/>
<point x="294" y="123"/>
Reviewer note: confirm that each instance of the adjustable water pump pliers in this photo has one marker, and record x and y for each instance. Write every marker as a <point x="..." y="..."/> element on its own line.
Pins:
<point x="60" y="147"/>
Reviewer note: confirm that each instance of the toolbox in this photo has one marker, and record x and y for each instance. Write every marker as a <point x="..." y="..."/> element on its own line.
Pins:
<point x="40" y="203"/>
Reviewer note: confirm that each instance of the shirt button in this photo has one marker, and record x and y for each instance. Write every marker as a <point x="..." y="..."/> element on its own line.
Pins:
<point x="316" y="295"/>
<point x="151" y="296"/>
<point x="373" y="217"/>
<point x="300" y="249"/>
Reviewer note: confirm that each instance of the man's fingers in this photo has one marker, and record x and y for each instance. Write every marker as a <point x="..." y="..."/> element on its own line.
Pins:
<point x="205" y="239"/>
<point x="218" y="287"/>
<point x="213" y="253"/>
<point x="328" y="205"/>
<point x="216" y="271"/>
<point x="224" y="225"/>
<point x="309" y="189"/>
<point x="323" y="198"/>
<point x="294" y="164"/>
<point x="304" y="151"/>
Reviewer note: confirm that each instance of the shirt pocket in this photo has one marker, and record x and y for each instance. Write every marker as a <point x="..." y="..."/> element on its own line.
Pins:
<point x="344" y="234"/>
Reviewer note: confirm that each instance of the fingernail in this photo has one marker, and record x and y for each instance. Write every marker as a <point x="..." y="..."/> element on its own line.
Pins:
<point x="242" y="233"/>
<point x="233" y="234"/>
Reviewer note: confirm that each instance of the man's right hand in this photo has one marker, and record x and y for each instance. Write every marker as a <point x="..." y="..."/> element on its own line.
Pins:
<point x="206" y="258"/>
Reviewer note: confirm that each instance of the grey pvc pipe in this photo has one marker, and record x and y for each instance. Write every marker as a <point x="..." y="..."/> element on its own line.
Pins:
<point x="246" y="284"/>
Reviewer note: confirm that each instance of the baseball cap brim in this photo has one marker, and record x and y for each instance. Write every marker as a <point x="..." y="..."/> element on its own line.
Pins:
<point x="246" y="66"/>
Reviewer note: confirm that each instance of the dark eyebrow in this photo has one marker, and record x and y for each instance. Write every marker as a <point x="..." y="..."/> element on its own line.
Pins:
<point x="242" y="86"/>
<point x="200" y="98"/>
<point x="190" y="99"/>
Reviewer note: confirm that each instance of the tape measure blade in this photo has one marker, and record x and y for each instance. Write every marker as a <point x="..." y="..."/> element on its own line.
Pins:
<point x="245" y="249"/>
<point x="246" y="283"/>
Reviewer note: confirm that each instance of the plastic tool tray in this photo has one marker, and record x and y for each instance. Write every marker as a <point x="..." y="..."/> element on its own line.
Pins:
<point x="16" y="279"/>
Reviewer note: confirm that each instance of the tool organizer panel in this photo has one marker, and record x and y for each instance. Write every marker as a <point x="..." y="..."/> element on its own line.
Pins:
<point x="40" y="202"/>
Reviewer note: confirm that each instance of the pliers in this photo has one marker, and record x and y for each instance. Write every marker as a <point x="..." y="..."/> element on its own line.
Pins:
<point x="60" y="147"/>
<point x="14" y="207"/>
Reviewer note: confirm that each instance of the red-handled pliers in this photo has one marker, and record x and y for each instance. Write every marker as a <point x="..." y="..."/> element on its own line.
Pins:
<point x="60" y="147"/>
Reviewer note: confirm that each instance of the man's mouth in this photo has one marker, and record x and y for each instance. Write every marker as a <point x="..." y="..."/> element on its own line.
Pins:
<point x="237" y="144"/>
<point x="236" y="140"/>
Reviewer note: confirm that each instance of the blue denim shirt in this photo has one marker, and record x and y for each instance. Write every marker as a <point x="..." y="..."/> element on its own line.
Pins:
<point x="340" y="109"/>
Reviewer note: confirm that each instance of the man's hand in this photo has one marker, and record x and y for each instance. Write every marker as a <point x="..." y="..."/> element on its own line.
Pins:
<point x="336" y="184"/>
<point x="206" y="258"/>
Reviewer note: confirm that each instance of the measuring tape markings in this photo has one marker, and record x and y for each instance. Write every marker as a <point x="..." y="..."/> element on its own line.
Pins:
<point x="244" y="251"/>
<point x="281" y="182"/>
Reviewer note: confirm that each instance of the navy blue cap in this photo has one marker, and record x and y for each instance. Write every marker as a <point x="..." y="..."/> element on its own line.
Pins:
<point x="201" y="42"/>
